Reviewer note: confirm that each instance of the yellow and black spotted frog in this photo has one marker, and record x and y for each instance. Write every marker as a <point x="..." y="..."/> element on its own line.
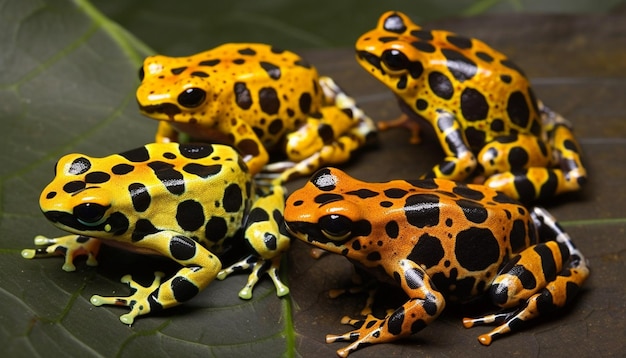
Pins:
<point x="480" y="105"/>
<point x="439" y="241"/>
<point x="185" y="202"/>
<point x="257" y="98"/>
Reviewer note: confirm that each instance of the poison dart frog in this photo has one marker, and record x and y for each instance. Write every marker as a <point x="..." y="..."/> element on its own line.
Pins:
<point x="257" y="98"/>
<point x="439" y="241"/>
<point x="480" y="106"/>
<point x="186" y="202"/>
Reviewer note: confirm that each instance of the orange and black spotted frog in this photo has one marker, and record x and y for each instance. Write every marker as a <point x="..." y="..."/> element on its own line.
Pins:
<point x="439" y="241"/>
<point x="480" y="105"/>
<point x="257" y="98"/>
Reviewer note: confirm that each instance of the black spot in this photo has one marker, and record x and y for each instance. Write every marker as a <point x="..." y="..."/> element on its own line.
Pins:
<point x="476" y="249"/>
<point x="474" y="105"/>
<point x="423" y="35"/>
<point x="270" y="241"/>
<point x="239" y="61"/>
<point x="461" y="67"/>
<point x="393" y="23"/>
<point x="272" y="70"/>
<point x="373" y="256"/>
<point x="182" y="248"/>
<point x="414" y="278"/>
<point x="423" y="183"/>
<point x="327" y="198"/>
<point x="324" y="180"/>
<point x="418" y="325"/>
<point x="257" y="215"/>
<point x="449" y="222"/>
<point x="171" y="178"/>
<point x="468" y="193"/>
<point x="386" y="204"/>
<point x="140" y="196"/>
<point x="143" y="227"/>
<point x="97" y="177"/>
<point x="178" y="70"/>
<point x="326" y="132"/>
<point x="549" y="187"/>
<point x="484" y="56"/>
<point x="51" y="195"/>
<point x="209" y="62"/>
<point x="504" y="199"/>
<point x="475" y="138"/>
<point x="513" y="66"/>
<point x="518" y="157"/>
<point x="421" y="104"/>
<point x="199" y="74"/>
<point x="518" y="110"/>
<point x="363" y="193"/>
<point x="440" y="85"/>
<point x="233" y="198"/>
<point x="79" y="166"/>
<point x="497" y="125"/>
<point x="169" y="155"/>
<point x="459" y="41"/>
<point x="183" y="289"/>
<point x="243" y="98"/>
<point x="136" y="155"/>
<point x="395" y="193"/>
<point x="190" y="215"/>
<point x="276" y="126"/>
<point x="392" y="229"/>
<point x="548" y="262"/>
<point x="203" y="171"/>
<point x="385" y="39"/>
<point x="216" y="228"/>
<point x="268" y="99"/>
<point x="424" y="46"/>
<point x="401" y="84"/>
<point x="247" y="51"/>
<point x="305" y="102"/>
<point x="422" y="210"/>
<point x="302" y="63"/>
<point x="473" y="211"/>
<point x="121" y="169"/>
<point x="298" y="202"/>
<point x="524" y="187"/>
<point x="506" y="78"/>
<point x="427" y="251"/>
<point x="74" y="186"/>
<point x="395" y="321"/>
<point x="356" y="245"/>
<point x="195" y="151"/>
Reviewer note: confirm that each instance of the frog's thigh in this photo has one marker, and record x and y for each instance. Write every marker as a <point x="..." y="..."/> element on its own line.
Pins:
<point x="513" y="153"/>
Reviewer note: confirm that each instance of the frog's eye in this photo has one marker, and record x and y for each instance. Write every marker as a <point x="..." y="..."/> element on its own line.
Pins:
<point x="141" y="73"/>
<point x="191" y="97"/>
<point x="395" y="60"/>
<point x="335" y="227"/>
<point x="89" y="213"/>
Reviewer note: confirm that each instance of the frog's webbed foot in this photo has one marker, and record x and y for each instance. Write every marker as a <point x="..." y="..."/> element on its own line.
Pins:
<point x="70" y="246"/>
<point x="139" y="302"/>
<point x="259" y="266"/>
<point x="403" y="121"/>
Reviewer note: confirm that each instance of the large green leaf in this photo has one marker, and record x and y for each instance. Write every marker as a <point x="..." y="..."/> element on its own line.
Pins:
<point x="67" y="84"/>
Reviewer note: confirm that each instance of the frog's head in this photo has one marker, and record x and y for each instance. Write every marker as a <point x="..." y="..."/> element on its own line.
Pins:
<point x="321" y="213"/>
<point x="395" y="51"/>
<point x="173" y="90"/>
<point x="78" y="199"/>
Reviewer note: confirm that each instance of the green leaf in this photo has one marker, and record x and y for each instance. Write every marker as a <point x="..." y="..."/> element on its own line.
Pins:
<point x="67" y="82"/>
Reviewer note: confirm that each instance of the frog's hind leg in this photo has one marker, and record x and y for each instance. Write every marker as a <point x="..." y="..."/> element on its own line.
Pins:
<point x="562" y="271"/>
<point x="530" y="168"/>
<point x="70" y="246"/>
<point x="265" y="233"/>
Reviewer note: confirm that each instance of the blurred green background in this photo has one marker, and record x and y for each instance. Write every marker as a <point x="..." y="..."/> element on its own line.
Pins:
<point x="299" y="24"/>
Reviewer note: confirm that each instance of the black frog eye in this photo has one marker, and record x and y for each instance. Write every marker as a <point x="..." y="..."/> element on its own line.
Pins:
<point x="335" y="227"/>
<point x="89" y="213"/>
<point x="191" y="97"/>
<point x="395" y="60"/>
<point x="141" y="73"/>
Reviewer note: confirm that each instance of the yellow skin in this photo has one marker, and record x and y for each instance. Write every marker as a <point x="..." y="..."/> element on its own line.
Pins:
<point x="479" y="104"/>
<point x="185" y="202"/>
<point x="438" y="240"/>
<point x="258" y="99"/>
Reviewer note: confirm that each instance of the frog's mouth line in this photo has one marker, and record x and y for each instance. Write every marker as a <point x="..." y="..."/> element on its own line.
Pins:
<point x="168" y="109"/>
<point x="370" y="58"/>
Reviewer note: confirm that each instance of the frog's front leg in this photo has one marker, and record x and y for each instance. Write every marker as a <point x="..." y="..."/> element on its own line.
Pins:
<point x="200" y="267"/>
<point x="265" y="232"/>
<point x="70" y="246"/>
<point x="424" y="306"/>
<point x="459" y="162"/>
<point x="540" y="280"/>
<point x="245" y="139"/>
<point x="166" y="133"/>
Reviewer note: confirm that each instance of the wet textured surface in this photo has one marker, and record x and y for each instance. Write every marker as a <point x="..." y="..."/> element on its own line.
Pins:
<point x="576" y="65"/>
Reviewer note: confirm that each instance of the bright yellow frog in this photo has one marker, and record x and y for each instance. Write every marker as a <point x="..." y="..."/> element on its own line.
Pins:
<point x="439" y="241"/>
<point x="480" y="106"/>
<point x="252" y="96"/>
<point x="186" y="202"/>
